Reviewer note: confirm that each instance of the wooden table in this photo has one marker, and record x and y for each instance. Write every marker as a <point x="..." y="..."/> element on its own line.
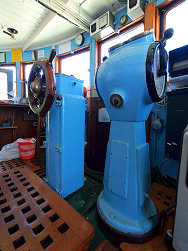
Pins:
<point x="16" y="116"/>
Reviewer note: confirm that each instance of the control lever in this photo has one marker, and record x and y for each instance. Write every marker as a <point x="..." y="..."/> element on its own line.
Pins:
<point x="167" y="35"/>
<point x="52" y="56"/>
<point x="57" y="96"/>
<point x="163" y="54"/>
<point x="36" y="55"/>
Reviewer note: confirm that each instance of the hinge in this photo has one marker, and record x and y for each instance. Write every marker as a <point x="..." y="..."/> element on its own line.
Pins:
<point x="58" y="149"/>
<point x="45" y="143"/>
<point x="58" y="103"/>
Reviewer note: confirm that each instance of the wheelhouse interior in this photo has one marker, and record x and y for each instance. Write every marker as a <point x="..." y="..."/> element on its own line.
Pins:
<point x="93" y="125"/>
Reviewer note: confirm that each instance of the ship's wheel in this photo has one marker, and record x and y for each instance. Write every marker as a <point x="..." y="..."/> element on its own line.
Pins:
<point x="42" y="85"/>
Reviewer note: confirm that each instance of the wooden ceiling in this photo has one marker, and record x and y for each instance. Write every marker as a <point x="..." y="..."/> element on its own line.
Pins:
<point x="38" y="26"/>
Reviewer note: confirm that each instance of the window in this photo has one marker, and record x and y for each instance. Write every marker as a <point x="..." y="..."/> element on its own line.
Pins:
<point x="8" y="82"/>
<point x="177" y="18"/>
<point x="77" y="65"/>
<point x="119" y="39"/>
<point x="26" y="71"/>
<point x="3" y="90"/>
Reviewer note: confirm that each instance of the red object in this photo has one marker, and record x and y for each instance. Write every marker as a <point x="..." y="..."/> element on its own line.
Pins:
<point x="85" y="92"/>
<point x="27" y="149"/>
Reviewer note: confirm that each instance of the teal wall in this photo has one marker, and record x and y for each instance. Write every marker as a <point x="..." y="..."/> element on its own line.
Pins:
<point x="28" y="55"/>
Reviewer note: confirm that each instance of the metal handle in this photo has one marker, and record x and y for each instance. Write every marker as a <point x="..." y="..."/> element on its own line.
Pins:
<point x="52" y="56"/>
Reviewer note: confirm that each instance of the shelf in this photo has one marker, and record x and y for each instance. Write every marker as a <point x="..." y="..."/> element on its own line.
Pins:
<point x="10" y="127"/>
<point x="14" y="105"/>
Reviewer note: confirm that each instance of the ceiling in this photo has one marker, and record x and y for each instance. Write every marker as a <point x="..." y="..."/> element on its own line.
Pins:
<point x="48" y="22"/>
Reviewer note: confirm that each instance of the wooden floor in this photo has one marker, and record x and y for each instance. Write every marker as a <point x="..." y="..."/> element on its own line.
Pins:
<point x="162" y="196"/>
<point x="34" y="217"/>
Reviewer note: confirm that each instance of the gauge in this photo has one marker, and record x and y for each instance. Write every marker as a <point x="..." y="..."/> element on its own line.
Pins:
<point x="159" y="81"/>
<point x="79" y="39"/>
<point x="156" y="81"/>
<point x="123" y="20"/>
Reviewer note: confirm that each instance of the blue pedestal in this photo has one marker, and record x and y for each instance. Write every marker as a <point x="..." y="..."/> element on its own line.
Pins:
<point x="124" y="205"/>
<point x="65" y="137"/>
<point x="124" y="202"/>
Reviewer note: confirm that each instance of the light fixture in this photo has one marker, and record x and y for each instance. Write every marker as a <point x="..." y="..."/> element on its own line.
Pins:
<point x="13" y="38"/>
<point x="10" y="32"/>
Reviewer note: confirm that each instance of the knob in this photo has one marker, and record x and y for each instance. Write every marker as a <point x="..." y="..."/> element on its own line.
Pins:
<point x="116" y="100"/>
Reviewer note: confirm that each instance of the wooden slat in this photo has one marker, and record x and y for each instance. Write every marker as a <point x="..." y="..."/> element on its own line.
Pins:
<point x="149" y="19"/>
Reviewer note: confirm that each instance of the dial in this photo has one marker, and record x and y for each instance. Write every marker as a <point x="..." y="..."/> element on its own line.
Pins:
<point x="79" y="39"/>
<point x="155" y="77"/>
<point x="123" y="20"/>
<point x="159" y="81"/>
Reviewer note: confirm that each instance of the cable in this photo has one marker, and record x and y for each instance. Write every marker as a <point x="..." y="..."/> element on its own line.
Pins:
<point x="153" y="109"/>
<point x="47" y="7"/>
<point x="163" y="105"/>
<point x="158" y="115"/>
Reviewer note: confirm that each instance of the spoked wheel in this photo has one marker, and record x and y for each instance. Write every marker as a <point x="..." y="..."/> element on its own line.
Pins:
<point x="42" y="85"/>
<point x="41" y="90"/>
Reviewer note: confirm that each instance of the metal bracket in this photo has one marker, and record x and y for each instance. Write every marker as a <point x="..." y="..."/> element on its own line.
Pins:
<point x="45" y="143"/>
<point x="46" y="180"/>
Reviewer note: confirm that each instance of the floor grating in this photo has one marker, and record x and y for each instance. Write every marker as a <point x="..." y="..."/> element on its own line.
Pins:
<point x="34" y="217"/>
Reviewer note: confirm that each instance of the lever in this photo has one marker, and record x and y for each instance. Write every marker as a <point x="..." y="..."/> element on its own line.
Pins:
<point x="57" y="96"/>
<point x="167" y="35"/>
<point x="36" y="55"/>
<point x="52" y="56"/>
<point x="163" y="54"/>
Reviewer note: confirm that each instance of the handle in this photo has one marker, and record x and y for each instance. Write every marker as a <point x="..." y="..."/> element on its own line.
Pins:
<point x="167" y="35"/>
<point x="57" y="96"/>
<point x="36" y="55"/>
<point x="52" y="56"/>
<point x="163" y="54"/>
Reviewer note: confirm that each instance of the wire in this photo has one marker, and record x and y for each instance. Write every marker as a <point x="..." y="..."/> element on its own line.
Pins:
<point x="82" y="2"/>
<point x="158" y="115"/>
<point x="153" y="109"/>
<point x="161" y="167"/>
<point x="47" y="7"/>
<point x="162" y="105"/>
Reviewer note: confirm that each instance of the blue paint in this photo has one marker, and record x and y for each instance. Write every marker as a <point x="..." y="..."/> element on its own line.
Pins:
<point x="118" y="15"/>
<point x="92" y="61"/>
<point x="158" y="2"/>
<point x="28" y="55"/>
<point x="57" y="49"/>
<point x="65" y="137"/>
<point x="124" y="203"/>
<point x="8" y="57"/>
<point x="157" y="146"/>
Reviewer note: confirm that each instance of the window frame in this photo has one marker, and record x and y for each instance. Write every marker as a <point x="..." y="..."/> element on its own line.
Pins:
<point x="22" y="76"/>
<point x="163" y="10"/>
<point x="121" y="31"/>
<point x="7" y="65"/>
<point x="62" y="56"/>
